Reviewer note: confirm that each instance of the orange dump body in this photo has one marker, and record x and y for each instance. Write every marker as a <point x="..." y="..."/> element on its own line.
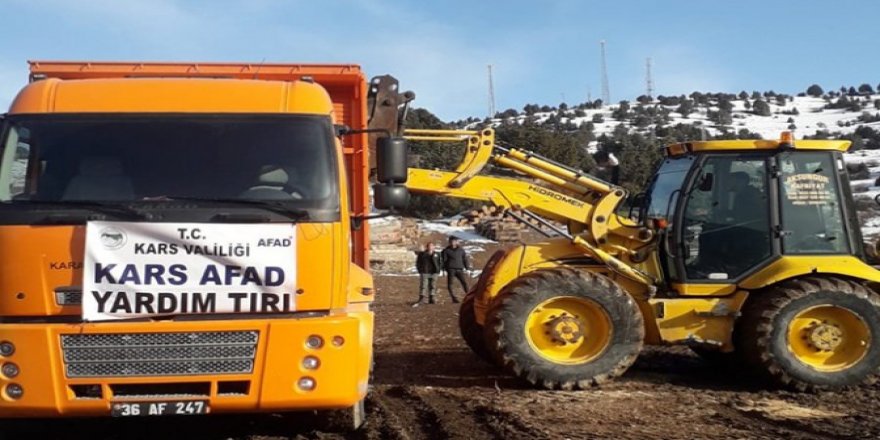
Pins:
<point x="68" y="367"/>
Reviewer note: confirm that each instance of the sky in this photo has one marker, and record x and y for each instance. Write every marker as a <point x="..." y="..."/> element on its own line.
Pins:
<point x="543" y="52"/>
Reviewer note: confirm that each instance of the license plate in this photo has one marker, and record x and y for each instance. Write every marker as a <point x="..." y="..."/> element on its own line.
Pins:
<point x="175" y="408"/>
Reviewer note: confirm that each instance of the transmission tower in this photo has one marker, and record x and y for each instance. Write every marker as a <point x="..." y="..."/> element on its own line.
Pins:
<point x="649" y="80"/>
<point x="491" y="94"/>
<point x="606" y="90"/>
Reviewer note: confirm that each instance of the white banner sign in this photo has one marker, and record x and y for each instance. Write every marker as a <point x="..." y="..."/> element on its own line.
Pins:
<point x="153" y="269"/>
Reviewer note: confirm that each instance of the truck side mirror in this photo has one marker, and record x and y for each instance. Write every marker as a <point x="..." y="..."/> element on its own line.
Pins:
<point x="388" y="196"/>
<point x="391" y="160"/>
<point x="391" y="172"/>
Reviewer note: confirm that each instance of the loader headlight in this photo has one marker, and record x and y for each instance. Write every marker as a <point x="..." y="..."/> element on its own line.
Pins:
<point x="314" y="342"/>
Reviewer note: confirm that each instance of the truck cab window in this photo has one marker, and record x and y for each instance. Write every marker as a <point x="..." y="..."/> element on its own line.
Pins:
<point x="15" y="161"/>
<point x="725" y="229"/>
<point x="145" y="158"/>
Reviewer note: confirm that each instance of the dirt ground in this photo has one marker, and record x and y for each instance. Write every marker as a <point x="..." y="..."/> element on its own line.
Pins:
<point x="428" y="385"/>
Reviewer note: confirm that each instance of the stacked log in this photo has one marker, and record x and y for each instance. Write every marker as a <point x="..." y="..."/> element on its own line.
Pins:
<point x="504" y="229"/>
<point x="490" y="222"/>
<point x="394" y="231"/>
<point x="391" y="244"/>
<point x="473" y="217"/>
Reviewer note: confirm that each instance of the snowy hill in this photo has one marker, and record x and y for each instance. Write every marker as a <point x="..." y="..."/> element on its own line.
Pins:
<point x="831" y="115"/>
<point x="807" y="115"/>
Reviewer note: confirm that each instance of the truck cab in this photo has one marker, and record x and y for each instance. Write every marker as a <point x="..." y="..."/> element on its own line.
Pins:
<point x="146" y="149"/>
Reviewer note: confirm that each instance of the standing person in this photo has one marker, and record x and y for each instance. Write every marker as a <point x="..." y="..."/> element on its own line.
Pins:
<point x="455" y="262"/>
<point x="609" y="166"/>
<point x="429" y="265"/>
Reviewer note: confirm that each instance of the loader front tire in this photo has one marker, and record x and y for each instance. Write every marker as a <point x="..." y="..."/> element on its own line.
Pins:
<point x="471" y="331"/>
<point x="812" y="334"/>
<point x="564" y="328"/>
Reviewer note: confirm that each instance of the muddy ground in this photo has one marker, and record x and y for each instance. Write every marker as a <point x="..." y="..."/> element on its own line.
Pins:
<point x="427" y="385"/>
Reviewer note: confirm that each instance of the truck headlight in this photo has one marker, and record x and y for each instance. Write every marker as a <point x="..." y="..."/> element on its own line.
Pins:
<point x="6" y="348"/>
<point x="9" y="370"/>
<point x="306" y="383"/>
<point x="14" y="391"/>
<point x="311" y="363"/>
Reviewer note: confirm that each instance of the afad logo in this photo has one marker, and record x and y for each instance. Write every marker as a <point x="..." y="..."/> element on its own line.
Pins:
<point x="113" y="238"/>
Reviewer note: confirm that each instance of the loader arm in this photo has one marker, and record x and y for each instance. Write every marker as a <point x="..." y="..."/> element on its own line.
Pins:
<point x="586" y="204"/>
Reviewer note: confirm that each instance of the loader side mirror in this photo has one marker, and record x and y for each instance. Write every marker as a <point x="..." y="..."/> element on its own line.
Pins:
<point x="706" y="182"/>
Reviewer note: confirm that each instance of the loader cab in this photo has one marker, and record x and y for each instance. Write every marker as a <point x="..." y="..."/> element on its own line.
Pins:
<point x="730" y="208"/>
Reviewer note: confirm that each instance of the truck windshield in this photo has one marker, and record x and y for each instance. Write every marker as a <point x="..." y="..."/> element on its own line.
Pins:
<point x="71" y="159"/>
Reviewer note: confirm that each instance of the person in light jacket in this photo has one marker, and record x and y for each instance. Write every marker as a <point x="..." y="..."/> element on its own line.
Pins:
<point x="429" y="265"/>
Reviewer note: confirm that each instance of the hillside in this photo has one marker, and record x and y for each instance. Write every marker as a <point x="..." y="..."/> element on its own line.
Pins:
<point x="833" y="114"/>
<point x="634" y="130"/>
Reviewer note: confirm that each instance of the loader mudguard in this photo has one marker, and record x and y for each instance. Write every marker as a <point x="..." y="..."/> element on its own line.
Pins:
<point x="507" y="265"/>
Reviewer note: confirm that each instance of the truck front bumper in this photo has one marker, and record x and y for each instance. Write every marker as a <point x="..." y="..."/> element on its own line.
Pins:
<point x="254" y="365"/>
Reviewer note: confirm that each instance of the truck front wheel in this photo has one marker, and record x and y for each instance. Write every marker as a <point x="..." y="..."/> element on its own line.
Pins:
<point x="564" y="328"/>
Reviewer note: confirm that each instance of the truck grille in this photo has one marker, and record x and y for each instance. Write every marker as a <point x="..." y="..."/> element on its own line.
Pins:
<point x="159" y="354"/>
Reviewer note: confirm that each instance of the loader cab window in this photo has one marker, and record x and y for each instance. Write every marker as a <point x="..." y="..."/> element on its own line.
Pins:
<point x="811" y="215"/>
<point x="664" y="187"/>
<point x="661" y="200"/>
<point x="725" y="227"/>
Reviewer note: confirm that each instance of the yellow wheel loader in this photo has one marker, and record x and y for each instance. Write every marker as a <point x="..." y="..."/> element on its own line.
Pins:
<point x="747" y="251"/>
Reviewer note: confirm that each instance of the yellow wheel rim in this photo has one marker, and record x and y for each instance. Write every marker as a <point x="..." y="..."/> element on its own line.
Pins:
<point x="828" y="338"/>
<point x="569" y="330"/>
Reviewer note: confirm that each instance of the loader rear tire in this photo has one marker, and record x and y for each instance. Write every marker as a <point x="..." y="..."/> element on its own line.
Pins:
<point x="813" y="334"/>
<point x="471" y="331"/>
<point x="564" y="328"/>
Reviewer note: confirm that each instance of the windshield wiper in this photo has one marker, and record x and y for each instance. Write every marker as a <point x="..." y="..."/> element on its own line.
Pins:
<point x="115" y="209"/>
<point x="276" y="206"/>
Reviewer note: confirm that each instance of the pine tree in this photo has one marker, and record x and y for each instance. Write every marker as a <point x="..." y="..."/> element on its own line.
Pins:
<point x="685" y="108"/>
<point x="815" y="91"/>
<point x="761" y="108"/>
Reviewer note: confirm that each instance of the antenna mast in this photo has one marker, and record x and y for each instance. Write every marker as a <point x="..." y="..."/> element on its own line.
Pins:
<point x="491" y="94"/>
<point x="606" y="90"/>
<point x="649" y="80"/>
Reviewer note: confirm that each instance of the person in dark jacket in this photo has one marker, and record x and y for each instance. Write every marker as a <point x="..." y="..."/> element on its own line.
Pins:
<point x="455" y="262"/>
<point x="608" y="166"/>
<point x="429" y="265"/>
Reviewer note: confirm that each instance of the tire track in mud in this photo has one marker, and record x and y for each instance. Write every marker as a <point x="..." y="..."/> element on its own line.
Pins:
<point x="757" y="423"/>
<point x="424" y="413"/>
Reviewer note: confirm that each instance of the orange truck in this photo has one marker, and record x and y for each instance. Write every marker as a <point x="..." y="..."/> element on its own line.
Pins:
<point x="182" y="238"/>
